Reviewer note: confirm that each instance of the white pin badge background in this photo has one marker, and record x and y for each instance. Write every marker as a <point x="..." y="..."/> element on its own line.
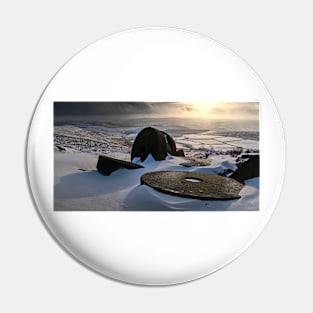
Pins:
<point x="160" y="65"/>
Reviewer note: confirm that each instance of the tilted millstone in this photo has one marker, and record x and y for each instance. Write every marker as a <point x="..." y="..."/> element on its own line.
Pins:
<point x="106" y="165"/>
<point x="155" y="142"/>
<point x="193" y="185"/>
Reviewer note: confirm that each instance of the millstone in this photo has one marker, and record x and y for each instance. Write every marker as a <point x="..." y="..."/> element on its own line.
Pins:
<point x="193" y="185"/>
<point x="155" y="142"/>
<point x="106" y="165"/>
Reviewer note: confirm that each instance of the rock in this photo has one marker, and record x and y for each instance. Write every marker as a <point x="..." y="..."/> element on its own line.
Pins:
<point x="106" y="165"/>
<point x="247" y="169"/>
<point x="155" y="142"/>
<point x="226" y="172"/>
<point x="196" y="162"/>
<point x="193" y="185"/>
<point x="61" y="148"/>
<point x="180" y="153"/>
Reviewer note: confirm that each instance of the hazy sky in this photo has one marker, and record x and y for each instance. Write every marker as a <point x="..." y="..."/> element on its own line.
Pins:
<point x="213" y="110"/>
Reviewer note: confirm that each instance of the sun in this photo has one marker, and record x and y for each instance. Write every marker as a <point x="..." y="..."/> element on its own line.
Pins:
<point x="203" y="106"/>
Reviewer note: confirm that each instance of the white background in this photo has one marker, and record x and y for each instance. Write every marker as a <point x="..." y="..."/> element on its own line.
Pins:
<point x="275" y="273"/>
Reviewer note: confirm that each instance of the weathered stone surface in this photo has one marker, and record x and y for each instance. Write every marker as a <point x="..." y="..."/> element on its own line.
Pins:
<point x="179" y="152"/>
<point x="60" y="148"/>
<point x="195" y="162"/>
<point x="155" y="142"/>
<point x="247" y="169"/>
<point x="193" y="185"/>
<point x="106" y="165"/>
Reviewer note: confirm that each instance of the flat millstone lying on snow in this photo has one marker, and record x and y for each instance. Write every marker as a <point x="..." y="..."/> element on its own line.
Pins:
<point x="193" y="185"/>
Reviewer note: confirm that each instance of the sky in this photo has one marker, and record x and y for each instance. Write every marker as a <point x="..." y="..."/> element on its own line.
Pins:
<point x="210" y="110"/>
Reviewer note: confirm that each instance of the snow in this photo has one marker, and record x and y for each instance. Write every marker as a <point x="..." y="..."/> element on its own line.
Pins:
<point x="79" y="186"/>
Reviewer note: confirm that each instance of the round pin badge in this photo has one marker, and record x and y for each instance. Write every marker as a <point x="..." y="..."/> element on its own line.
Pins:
<point x="155" y="156"/>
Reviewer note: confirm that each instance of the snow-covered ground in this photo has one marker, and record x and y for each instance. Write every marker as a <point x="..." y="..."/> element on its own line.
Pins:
<point x="79" y="186"/>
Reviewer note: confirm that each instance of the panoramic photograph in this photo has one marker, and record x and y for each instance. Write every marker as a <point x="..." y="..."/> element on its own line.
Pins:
<point x="156" y="156"/>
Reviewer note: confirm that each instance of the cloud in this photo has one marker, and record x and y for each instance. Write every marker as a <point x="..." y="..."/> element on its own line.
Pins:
<point x="223" y="110"/>
<point x="171" y="107"/>
<point x="94" y="108"/>
<point x="236" y="110"/>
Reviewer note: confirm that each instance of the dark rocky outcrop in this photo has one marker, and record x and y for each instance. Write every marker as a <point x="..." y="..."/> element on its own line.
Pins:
<point x="106" y="165"/>
<point x="155" y="142"/>
<point x="248" y="167"/>
<point x="193" y="185"/>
